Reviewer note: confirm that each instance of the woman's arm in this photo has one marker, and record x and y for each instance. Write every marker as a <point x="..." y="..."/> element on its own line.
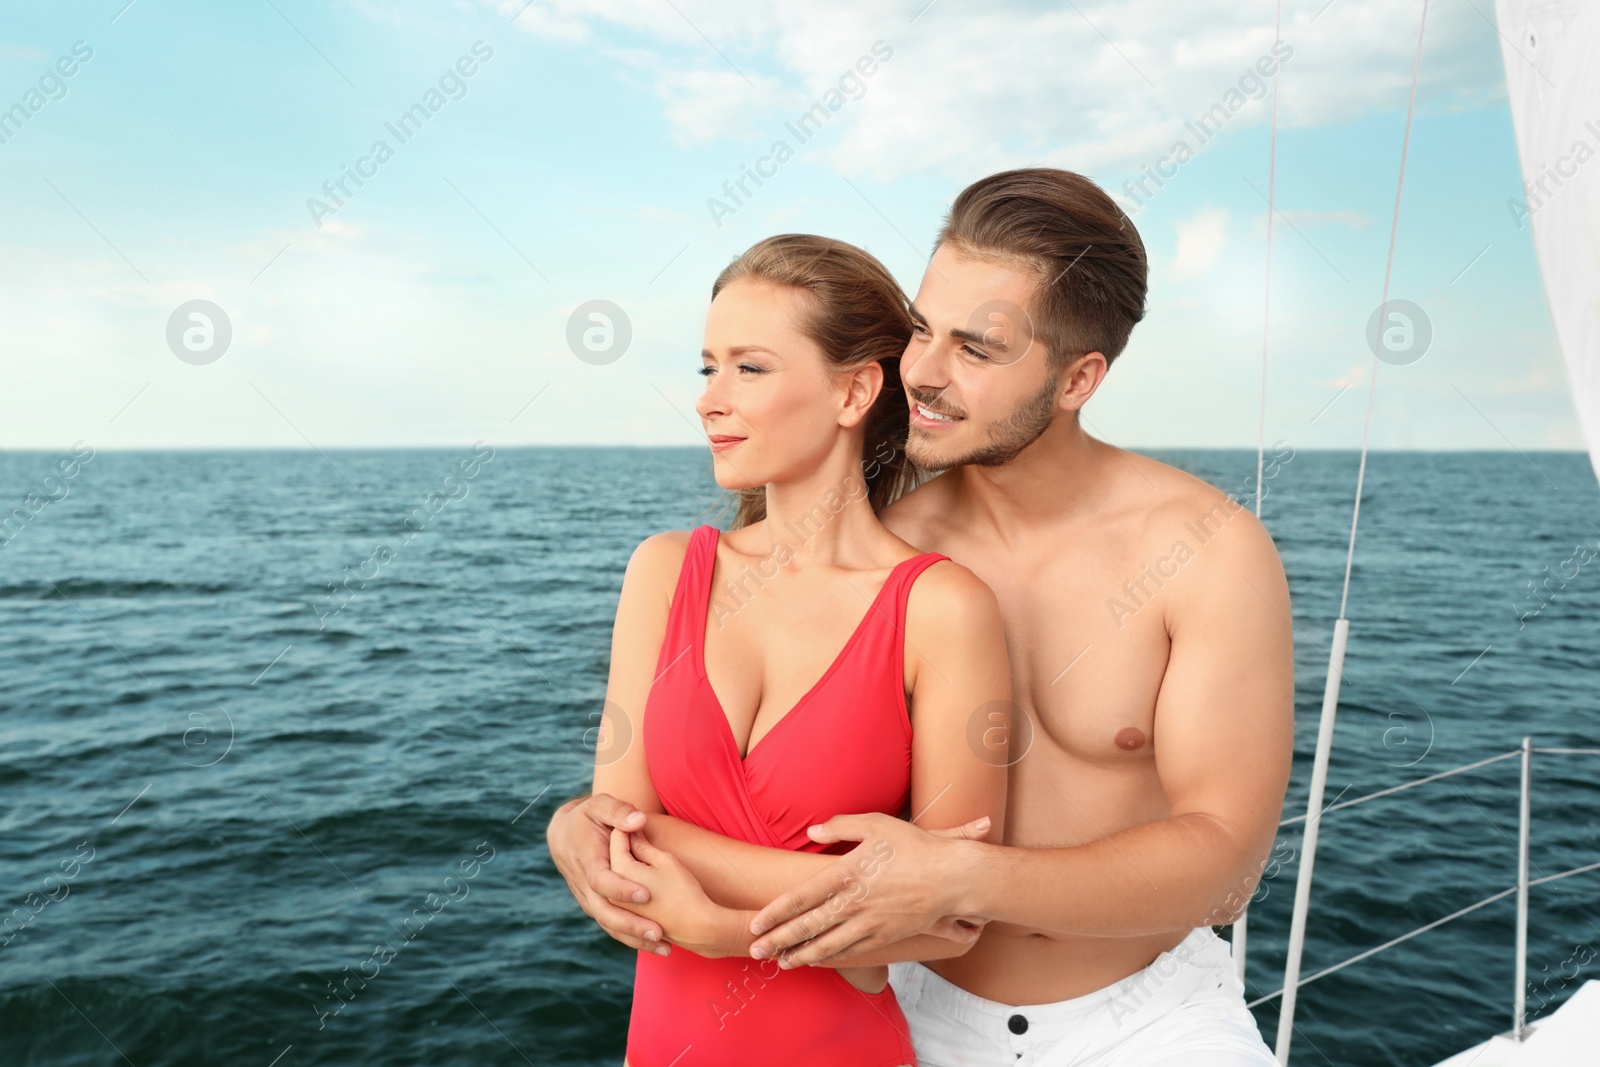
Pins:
<point x="961" y="707"/>
<point x="579" y="832"/>
<point x="734" y="873"/>
<point x="620" y="769"/>
<point x="692" y="919"/>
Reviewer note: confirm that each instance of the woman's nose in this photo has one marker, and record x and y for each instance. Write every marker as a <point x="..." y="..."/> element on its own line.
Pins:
<point x="713" y="401"/>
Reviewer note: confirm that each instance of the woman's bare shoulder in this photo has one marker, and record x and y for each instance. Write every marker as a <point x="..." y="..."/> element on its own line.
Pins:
<point x="949" y="598"/>
<point x="657" y="559"/>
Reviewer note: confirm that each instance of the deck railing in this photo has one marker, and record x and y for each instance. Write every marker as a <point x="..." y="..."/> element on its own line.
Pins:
<point x="1523" y="883"/>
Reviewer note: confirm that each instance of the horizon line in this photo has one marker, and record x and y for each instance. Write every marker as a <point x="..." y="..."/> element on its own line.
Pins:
<point x="312" y="450"/>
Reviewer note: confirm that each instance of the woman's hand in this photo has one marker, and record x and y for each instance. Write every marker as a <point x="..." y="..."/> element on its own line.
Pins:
<point x="677" y="901"/>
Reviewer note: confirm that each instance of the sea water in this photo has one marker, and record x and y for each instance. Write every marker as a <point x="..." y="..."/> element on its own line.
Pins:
<point x="280" y="733"/>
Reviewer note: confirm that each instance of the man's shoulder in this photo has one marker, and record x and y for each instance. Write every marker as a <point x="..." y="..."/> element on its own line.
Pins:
<point x="1178" y="506"/>
<point x="1161" y="483"/>
<point x="914" y="516"/>
<point x="1167" y="492"/>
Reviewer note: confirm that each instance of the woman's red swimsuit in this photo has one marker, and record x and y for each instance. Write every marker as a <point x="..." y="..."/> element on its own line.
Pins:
<point x="844" y="747"/>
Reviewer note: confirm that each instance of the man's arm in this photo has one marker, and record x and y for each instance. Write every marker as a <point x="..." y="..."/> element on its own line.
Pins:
<point x="1224" y="735"/>
<point x="692" y="919"/>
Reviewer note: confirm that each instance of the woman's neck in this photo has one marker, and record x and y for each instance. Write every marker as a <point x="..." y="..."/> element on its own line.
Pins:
<point x="825" y="516"/>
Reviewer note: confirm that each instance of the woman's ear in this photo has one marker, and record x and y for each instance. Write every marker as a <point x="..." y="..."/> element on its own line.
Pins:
<point x="862" y="386"/>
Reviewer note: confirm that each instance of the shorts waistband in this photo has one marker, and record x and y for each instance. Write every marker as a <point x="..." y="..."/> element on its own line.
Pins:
<point x="1120" y="1008"/>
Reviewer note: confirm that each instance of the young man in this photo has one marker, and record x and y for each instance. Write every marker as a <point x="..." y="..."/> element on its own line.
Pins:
<point x="1147" y="622"/>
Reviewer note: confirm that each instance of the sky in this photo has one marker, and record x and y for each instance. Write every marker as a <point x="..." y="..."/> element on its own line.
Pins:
<point x="561" y="152"/>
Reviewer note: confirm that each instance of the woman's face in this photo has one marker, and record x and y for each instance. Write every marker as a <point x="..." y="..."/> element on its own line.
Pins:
<point x="773" y="408"/>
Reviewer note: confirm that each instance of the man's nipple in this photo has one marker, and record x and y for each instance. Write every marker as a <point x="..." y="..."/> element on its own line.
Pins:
<point x="1130" y="738"/>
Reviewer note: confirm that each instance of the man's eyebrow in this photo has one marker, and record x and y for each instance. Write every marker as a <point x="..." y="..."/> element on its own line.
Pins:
<point x="959" y="334"/>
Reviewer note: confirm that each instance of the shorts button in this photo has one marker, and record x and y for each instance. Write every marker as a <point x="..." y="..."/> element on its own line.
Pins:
<point x="1017" y="1024"/>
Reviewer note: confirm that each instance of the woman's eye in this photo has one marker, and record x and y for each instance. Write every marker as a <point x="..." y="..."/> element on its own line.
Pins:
<point x="708" y="370"/>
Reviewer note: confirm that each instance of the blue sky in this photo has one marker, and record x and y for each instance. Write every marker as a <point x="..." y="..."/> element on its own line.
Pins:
<point x="576" y="162"/>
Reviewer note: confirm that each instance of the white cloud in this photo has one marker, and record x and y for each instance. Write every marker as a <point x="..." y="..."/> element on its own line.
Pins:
<point x="1305" y="220"/>
<point x="709" y="105"/>
<point x="25" y="52"/>
<point x="1102" y="91"/>
<point x="1200" y="242"/>
<point x="1355" y="376"/>
<point x="1545" y="378"/>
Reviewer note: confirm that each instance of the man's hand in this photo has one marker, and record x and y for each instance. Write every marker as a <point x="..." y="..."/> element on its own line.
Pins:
<point x="579" y="836"/>
<point x="900" y="882"/>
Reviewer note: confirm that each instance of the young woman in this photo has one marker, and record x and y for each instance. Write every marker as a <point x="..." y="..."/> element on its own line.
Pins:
<point x="806" y="664"/>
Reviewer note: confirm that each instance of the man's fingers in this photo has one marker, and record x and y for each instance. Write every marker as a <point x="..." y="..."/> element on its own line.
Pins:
<point x="846" y="937"/>
<point x="971" y="831"/>
<point x="613" y="886"/>
<point x="797" y="901"/>
<point x="618" y="814"/>
<point x="583" y="854"/>
<point x="563" y="810"/>
<point x="617" y="920"/>
<point x="803" y="927"/>
<point x="632" y="930"/>
<point x="953" y="928"/>
<point x="588" y="850"/>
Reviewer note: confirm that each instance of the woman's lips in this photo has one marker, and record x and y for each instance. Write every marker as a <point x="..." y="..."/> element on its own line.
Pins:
<point x="721" y="442"/>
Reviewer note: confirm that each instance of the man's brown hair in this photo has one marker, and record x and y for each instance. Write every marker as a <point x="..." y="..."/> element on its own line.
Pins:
<point x="1084" y="251"/>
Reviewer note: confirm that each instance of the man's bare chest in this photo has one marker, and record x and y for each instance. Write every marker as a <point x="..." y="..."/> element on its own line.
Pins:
<point x="1086" y="665"/>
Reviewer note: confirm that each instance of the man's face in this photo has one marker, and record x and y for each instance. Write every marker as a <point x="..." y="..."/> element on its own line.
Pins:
<point x="977" y="378"/>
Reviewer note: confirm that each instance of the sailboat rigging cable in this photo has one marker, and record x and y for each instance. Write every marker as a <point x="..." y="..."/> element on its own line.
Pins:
<point x="1341" y="630"/>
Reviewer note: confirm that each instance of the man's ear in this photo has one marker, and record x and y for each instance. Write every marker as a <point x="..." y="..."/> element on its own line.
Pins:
<point x="862" y="387"/>
<point x="1081" y="378"/>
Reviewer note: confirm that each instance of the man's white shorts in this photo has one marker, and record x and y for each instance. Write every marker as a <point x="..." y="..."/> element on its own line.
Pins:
<point x="1186" y="1008"/>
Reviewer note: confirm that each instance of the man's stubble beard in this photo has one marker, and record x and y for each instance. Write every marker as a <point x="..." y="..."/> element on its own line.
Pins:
<point x="1007" y="438"/>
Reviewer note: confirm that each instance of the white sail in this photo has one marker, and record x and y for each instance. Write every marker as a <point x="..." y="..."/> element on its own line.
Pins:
<point x="1551" y="50"/>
